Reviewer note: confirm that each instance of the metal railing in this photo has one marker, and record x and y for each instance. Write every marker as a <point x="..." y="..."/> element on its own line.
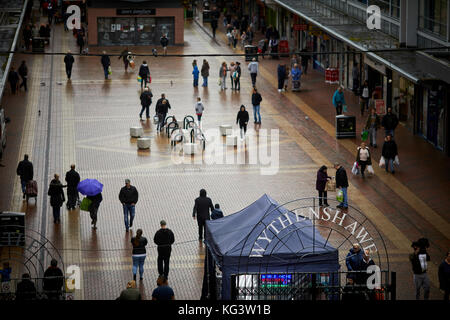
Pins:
<point x="39" y="290"/>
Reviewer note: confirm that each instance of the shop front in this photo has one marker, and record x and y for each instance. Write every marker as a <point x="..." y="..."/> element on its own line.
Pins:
<point x="114" y="23"/>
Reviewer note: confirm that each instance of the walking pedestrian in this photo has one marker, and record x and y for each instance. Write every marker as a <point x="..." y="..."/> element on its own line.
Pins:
<point x="243" y="40"/>
<point x="106" y="62"/>
<point x="68" y="61"/>
<point x="80" y="42"/>
<point x="242" y="118"/>
<point x="305" y="61"/>
<point x="163" y="291"/>
<point x="199" y="107"/>
<point x="164" y="238"/>
<point x="256" y="102"/>
<point x="50" y="12"/>
<point x="214" y="27"/>
<point x="205" y="72"/>
<point x="53" y="281"/>
<point x="162" y="108"/>
<point x="93" y="208"/>
<point x="223" y="75"/>
<point x="342" y="183"/>
<point x="273" y="45"/>
<point x="195" y="73"/>
<point x="372" y="125"/>
<point x="25" y="171"/>
<point x="281" y="73"/>
<point x="389" y="152"/>
<point x="131" y="292"/>
<point x="144" y="73"/>
<point x="201" y="208"/>
<point x="27" y="37"/>
<point x="217" y="212"/>
<point x="72" y="179"/>
<point x="13" y="79"/>
<point x="146" y="101"/>
<point x="321" y="181"/>
<point x="164" y="42"/>
<point x="237" y="76"/>
<point x="253" y="68"/>
<point x="444" y="276"/>
<point x="419" y="262"/>
<point x="365" y="96"/>
<point x="128" y="196"/>
<point x="124" y="56"/>
<point x="234" y="34"/>
<point x="55" y="191"/>
<point x="232" y="69"/>
<point x="355" y="77"/>
<point x="139" y="253"/>
<point x="23" y="72"/>
<point x="339" y="100"/>
<point x="389" y="122"/>
<point x="363" y="158"/>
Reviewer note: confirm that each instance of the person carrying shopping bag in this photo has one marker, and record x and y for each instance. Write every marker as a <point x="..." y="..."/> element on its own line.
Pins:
<point x="363" y="158"/>
<point x="389" y="153"/>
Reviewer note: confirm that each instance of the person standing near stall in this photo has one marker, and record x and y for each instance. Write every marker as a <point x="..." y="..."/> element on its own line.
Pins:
<point x="201" y="209"/>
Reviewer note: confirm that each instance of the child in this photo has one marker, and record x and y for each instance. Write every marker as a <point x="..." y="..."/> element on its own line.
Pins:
<point x="217" y="212"/>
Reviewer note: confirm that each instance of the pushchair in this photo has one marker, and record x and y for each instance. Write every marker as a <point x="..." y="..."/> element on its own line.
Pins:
<point x="295" y="85"/>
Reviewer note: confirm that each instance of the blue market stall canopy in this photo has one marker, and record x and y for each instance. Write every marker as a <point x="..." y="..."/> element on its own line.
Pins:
<point x="265" y="237"/>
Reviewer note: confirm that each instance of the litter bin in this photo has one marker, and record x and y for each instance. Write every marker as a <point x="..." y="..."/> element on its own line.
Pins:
<point x="12" y="229"/>
<point x="251" y="52"/>
<point x="345" y="126"/>
<point x="38" y="44"/>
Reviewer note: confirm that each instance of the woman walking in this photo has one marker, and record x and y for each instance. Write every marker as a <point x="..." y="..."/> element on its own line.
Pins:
<point x="373" y="123"/>
<point x="55" y="191"/>
<point x="139" y="253"/>
<point x="242" y="118"/>
<point x="93" y="208"/>
<point x="199" y="107"/>
<point x="321" y="181"/>
<point x="205" y="72"/>
<point x="223" y="75"/>
<point x="363" y="158"/>
<point x="195" y="73"/>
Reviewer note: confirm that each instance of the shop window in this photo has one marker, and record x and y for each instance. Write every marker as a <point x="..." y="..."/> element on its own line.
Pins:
<point x="433" y="16"/>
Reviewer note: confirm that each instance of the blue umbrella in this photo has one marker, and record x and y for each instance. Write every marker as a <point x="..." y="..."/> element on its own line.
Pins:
<point x="90" y="187"/>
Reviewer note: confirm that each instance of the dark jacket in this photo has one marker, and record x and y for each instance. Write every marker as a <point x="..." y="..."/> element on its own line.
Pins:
<point x="242" y="117"/>
<point x="124" y="56"/>
<point x="214" y="23"/>
<point x="389" y="121"/>
<point x="55" y="191"/>
<point x="161" y="107"/>
<point x="53" y="279"/>
<point x="26" y="290"/>
<point x="239" y="71"/>
<point x="216" y="214"/>
<point x="389" y="150"/>
<point x="444" y="276"/>
<point x="146" y="98"/>
<point x="144" y="71"/>
<point x="139" y="248"/>
<point x="69" y="60"/>
<point x="415" y="262"/>
<point x="322" y="179"/>
<point x="369" y="159"/>
<point x="369" y="122"/>
<point x="23" y="70"/>
<point x="164" y="238"/>
<point x="256" y="99"/>
<point x="13" y="77"/>
<point x="201" y="208"/>
<point x="96" y="200"/>
<point x="354" y="260"/>
<point x="128" y="195"/>
<point x="106" y="62"/>
<point x="164" y="41"/>
<point x="205" y="70"/>
<point x="341" y="178"/>
<point x="72" y="179"/>
<point x="25" y="170"/>
<point x="130" y="294"/>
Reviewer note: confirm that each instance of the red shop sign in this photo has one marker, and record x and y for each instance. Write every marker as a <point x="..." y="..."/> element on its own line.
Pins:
<point x="300" y="27"/>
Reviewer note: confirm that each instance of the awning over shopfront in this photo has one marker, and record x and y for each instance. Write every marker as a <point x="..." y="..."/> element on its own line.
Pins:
<point x="411" y="65"/>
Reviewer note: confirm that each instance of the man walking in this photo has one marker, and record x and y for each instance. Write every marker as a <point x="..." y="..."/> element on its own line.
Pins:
<point x="25" y="171"/>
<point x="128" y="196"/>
<point x="253" y="68"/>
<point x="106" y="62"/>
<point x="164" y="238"/>
<point x="256" y="102"/>
<point x="214" y="26"/>
<point x="162" y="107"/>
<point x="146" y="101"/>
<point x="342" y="183"/>
<point x="23" y="72"/>
<point x="164" y="42"/>
<point x="444" y="276"/>
<point x="144" y="73"/>
<point x="68" y="61"/>
<point x="389" y="152"/>
<point x="13" y="79"/>
<point x="389" y="122"/>
<point x="338" y="100"/>
<point x="72" y="179"/>
<point x="201" y="208"/>
<point x="419" y="260"/>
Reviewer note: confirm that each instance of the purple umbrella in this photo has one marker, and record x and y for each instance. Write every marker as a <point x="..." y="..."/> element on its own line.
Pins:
<point x="90" y="187"/>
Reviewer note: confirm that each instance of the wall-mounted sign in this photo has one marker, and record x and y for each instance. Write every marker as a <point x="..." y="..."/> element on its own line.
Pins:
<point x="300" y="27"/>
<point x="136" y="12"/>
<point x="380" y="106"/>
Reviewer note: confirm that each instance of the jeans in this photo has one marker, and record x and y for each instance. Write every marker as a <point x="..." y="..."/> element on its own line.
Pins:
<point x="69" y="71"/>
<point x="253" y="76"/>
<point x="237" y="83"/>
<point x="345" y="202"/>
<point x="389" y="164"/>
<point x="323" y="196"/>
<point x="195" y="82"/>
<point x="256" y="112"/>
<point x="422" y="280"/>
<point x="362" y="165"/>
<point x="373" y="136"/>
<point x="232" y="82"/>
<point x="388" y="132"/>
<point x="205" y="82"/>
<point x="147" y="111"/>
<point x="128" y="208"/>
<point x="23" y="183"/>
<point x="201" y="228"/>
<point x="280" y="83"/>
<point x="56" y="213"/>
<point x="224" y="84"/>
<point x="105" y="70"/>
<point x="138" y="262"/>
<point x="163" y="264"/>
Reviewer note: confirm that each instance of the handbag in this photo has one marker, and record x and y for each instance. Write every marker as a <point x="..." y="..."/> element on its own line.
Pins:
<point x="382" y="162"/>
<point x="397" y="161"/>
<point x="85" y="204"/>
<point x="219" y="82"/>
<point x="149" y="79"/>
<point x="331" y="185"/>
<point x="155" y="119"/>
<point x="139" y="79"/>
<point x="370" y="169"/>
<point x="109" y="70"/>
<point x="340" y="196"/>
<point x="355" y="169"/>
<point x="364" y="135"/>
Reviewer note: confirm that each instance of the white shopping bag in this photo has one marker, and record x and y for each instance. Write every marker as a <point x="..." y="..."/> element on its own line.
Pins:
<point x="355" y="169"/>
<point x="370" y="169"/>
<point x="382" y="162"/>
<point x="397" y="161"/>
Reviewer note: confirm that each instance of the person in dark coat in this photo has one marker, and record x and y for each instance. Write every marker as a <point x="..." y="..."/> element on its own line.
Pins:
<point x="80" y="42"/>
<point x="305" y="60"/>
<point x="128" y="196"/>
<point x="53" y="281"/>
<point x="364" y="276"/>
<point x="13" y="79"/>
<point x="237" y="79"/>
<point x="205" y="72"/>
<point x="256" y="102"/>
<point x="164" y="42"/>
<point x="162" y="107"/>
<point x="354" y="262"/>
<point x="23" y="72"/>
<point x="139" y="253"/>
<point x="444" y="276"/>
<point x="27" y="36"/>
<point x="242" y="118"/>
<point x="164" y="238"/>
<point x="389" y="152"/>
<point x="124" y="56"/>
<point x="55" y="191"/>
<point x="130" y="293"/>
<point x="217" y="212"/>
<point x="106" y="62"/>
<point x="26" y="290"/>
<point x="144" y="73"/>
<point x="93" y="208"/>
<point x="214" y="26"/>
<point x="68" y="61"/>
<point x="72" y="179"/>
<point x="201" y="208"/>
<point x="146" y="101"/>
<point x="389" y="122"/>
<point x="342" y="183"/>
<point x="281" y="72"/>
<point x="25" y="171"/>
<point x="321" y="181"/>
